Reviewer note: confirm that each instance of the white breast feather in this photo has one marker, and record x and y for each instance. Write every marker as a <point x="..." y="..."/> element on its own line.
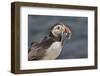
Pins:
<point x="54" y="51"/>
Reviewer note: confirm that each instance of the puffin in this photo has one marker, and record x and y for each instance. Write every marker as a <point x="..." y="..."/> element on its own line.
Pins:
<point x="50" y="47"/>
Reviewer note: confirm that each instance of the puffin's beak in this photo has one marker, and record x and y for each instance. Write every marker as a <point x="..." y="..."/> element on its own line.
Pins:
<point x="67" y="32"/>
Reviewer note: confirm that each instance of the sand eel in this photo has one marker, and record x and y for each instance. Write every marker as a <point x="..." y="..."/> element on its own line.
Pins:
<point x="50" y="47"/>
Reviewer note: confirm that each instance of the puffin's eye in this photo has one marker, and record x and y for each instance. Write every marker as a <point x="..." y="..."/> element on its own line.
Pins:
<point x="58" y="27"/>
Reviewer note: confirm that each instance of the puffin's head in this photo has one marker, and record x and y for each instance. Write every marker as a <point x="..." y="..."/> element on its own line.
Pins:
<point x="59" y="29"/>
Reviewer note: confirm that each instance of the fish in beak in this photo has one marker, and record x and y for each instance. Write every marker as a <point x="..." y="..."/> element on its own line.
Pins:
<point x="66" y="33"/>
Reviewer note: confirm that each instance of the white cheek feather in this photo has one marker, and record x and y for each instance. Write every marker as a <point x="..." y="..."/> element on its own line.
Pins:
<point x="54" y="51"/>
